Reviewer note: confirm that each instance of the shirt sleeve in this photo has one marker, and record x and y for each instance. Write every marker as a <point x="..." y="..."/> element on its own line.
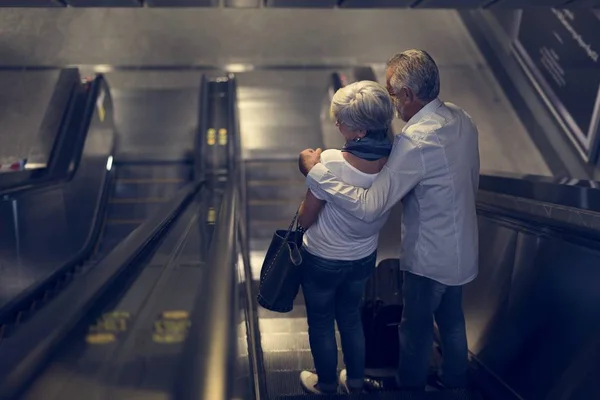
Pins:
<point x="402" y="172"/>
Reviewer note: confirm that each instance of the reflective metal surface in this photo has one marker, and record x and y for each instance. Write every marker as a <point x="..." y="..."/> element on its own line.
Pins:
<point x="44" y="229"/>
<point x="579" y="194"/>
<point x="376" y="3"/>
<point x="279" y="112"/>
<point x="26" y="111"/>
<point x="156" y="123"/>
<point x="104" y="3"/>
<point x="533" y="311"/>
<point x="319" y="3"/>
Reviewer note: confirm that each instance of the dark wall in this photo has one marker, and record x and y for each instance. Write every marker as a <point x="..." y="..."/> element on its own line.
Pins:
<point x="546" y="62"/>
<point x="533" y="314"/>
<point x="43" y="229"/>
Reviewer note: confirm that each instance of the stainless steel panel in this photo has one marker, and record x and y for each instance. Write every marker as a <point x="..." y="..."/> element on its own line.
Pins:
<point x="533" y="314"/>
<point x="242" y="3"/>
<point x="31" y="3"/>
<point x="564" y="305"/>
<point x="156" y="123"/>
<point x="485" y="298"/>
<point x="279" y="112"/>
<point x="54" y="224"/>
<point x="41" y="150"/>
<point x="302" y="3"/>
<point x="182" y="3"/>
<point x="377" y="3"/>
<point x="528" y="3"/>
<point x="25" y="98"/>
<point x="448" y="4"/>
<point x="104" y="3"/>
<point x="584" y="4"/>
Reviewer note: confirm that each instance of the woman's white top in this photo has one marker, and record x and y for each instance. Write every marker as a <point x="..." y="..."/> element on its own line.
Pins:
<point x="337" y="234"/>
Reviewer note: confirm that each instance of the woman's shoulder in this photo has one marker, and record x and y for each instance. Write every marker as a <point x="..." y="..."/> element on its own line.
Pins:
<point x="331" y="155"/>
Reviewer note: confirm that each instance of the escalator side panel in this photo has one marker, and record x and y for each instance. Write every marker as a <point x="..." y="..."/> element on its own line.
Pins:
<point x="35" y="224"/>
<point x="534" y="309"/>
<point x="142" y="359"/>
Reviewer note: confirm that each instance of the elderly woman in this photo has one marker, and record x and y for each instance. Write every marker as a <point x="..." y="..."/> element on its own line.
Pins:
<point x="339" y="250"/>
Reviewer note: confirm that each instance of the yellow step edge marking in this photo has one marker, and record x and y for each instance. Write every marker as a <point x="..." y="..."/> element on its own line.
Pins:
<point x="211" y="134"/>
<point x="137" y="200"/>
<point x="212" y="216"/>
<point x="171" y="327"/>
<point x="222" y="137"/>
<point x="100" y="338"/>
<point x="107" y="328"/>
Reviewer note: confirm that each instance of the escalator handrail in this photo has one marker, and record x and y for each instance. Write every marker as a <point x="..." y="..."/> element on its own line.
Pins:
<point x="63" y="164"/>
<point x="25" y="354"/>
<point x="206" y="369"/>
<point x="10" y="310"/>
<point x="574" y="193"/>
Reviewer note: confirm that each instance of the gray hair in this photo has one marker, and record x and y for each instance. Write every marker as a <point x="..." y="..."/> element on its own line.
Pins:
<point x="363" y="105"/>
<point x="416" y="70"/>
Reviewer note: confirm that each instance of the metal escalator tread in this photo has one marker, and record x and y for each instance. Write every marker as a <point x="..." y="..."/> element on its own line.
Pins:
<point x="445" y="395"/>
<point x="287" y="382"/>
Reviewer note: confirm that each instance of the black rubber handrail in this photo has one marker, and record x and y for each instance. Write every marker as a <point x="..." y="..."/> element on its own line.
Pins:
<point x="541" y="226"/>
<point x="206" y="369"/>
<point x="25" y="354"/>
<point x="203" y="124"/>
<point x="32" y="298"/>
<point x="255" y="352"/>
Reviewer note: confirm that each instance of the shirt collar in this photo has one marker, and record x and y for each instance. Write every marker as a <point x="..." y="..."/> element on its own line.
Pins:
<point x="429" y="108"/>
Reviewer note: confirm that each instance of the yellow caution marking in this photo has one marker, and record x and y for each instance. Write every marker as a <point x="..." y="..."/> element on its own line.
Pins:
<point x="100" y="106"/>
<point x="212" y="216"/>
<point x="211" y="135"/>
<point x="107" y="327"/>
<point x="222" y="136"/>
<point x="171" y="327"/>
<point x="176" y="314"/>
<point x="100" y="338"/>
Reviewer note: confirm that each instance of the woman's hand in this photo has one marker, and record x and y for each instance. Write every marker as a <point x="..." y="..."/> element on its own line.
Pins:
<point x="308" y="159"/>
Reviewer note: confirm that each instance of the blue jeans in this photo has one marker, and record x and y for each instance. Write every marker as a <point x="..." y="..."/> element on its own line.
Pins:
<point x="333" y="290"/>
<point x="425" y="299"/>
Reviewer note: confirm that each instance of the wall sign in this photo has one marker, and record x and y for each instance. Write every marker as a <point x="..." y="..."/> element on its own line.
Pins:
<point x="561" y="50"/>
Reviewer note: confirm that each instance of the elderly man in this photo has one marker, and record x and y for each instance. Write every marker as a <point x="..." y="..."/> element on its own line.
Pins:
<point x="434" y="170"/>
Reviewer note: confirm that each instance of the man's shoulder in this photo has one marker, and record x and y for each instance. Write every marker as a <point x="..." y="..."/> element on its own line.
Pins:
<point x="445" y="117"/>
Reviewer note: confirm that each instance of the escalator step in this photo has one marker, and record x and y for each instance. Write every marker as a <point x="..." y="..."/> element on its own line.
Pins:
<point x="445" y="395"/>
<point x="286" y="385"/>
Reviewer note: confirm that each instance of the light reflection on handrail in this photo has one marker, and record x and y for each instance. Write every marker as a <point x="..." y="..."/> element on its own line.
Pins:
<point x="207" y="367"/>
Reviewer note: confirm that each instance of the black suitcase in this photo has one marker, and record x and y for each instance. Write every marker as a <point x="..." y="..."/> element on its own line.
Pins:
<point x="381" y="316"/>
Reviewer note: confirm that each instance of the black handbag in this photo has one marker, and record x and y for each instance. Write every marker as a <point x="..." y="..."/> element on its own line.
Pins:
<point x="280" y="272"/>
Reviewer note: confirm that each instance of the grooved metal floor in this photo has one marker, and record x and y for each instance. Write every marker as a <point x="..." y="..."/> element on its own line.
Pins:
<point x="447" y="395"/>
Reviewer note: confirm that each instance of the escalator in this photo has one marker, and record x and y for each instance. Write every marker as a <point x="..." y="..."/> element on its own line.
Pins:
<point x="118" y="329"/>
<point x="138" y="190"/>
<point x="533" y="306"/>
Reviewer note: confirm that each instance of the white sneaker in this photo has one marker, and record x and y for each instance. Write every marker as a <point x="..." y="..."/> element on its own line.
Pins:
<point x="309" y="382"/>
<point x="344" y="383"/>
